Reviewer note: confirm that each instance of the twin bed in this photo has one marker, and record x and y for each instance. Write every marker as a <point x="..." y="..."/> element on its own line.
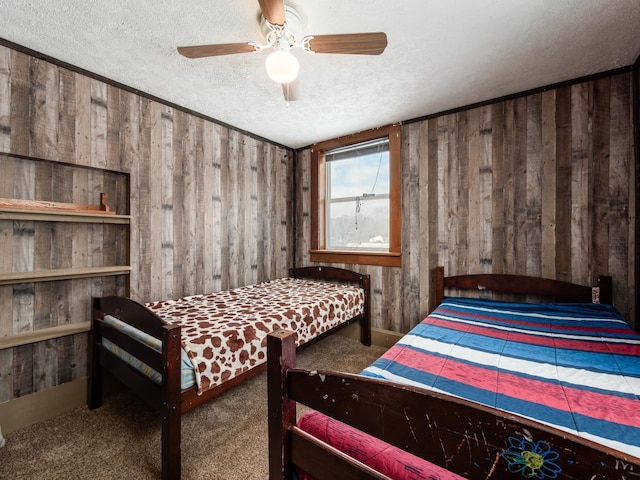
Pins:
<point x="480" y="389"/>
<point x="178" y="354"/>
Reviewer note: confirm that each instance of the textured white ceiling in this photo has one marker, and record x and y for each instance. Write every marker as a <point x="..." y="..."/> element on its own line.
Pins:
<point x="442" y="54"/>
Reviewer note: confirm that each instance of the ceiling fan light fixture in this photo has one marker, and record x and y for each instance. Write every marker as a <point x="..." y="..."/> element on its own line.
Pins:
<point x="282" y="28"/>
<point x="282" y="66"/>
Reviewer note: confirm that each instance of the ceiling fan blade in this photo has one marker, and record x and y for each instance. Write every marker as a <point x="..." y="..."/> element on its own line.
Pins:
<point x="273" y="11"/>
<point x="291" y="91"/>
<point x="200" y="51"/>
<point x="352" y="43"/>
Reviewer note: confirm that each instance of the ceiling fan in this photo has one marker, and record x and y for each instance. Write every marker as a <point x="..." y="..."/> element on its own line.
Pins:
<point x="282" y="27"/>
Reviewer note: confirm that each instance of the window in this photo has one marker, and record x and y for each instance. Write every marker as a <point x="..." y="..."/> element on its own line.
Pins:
<point x="357" y="216"/>
<point x="355" y="195"/>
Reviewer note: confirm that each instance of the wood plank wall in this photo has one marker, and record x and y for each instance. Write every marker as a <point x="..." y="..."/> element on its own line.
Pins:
<point x="537" y="185"/>
<point x="210" y="206"/>
<point x="40" y="246"/>
<point x="634" y="208"/>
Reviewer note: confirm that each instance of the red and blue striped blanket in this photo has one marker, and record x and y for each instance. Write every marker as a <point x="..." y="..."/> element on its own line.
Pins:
<point x="573" y="366"/>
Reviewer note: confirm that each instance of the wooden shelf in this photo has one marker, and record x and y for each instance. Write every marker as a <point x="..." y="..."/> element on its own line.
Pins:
<point x="62" y="274"/>
<point x="62" y="216"/>
<point x="50" y="333"/>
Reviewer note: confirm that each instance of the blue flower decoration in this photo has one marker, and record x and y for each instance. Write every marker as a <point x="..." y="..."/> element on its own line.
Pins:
<point x="531" y="459"/>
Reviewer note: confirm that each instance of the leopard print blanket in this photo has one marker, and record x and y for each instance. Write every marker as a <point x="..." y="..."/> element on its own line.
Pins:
<point x="225" y="333"/>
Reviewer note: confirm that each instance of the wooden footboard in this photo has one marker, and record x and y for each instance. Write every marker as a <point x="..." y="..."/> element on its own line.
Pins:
<point x="165" y="398"/>
<point x="466" y="438"/>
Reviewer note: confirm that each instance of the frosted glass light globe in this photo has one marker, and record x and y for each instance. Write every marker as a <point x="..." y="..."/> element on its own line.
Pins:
<point x="282" y="67"/>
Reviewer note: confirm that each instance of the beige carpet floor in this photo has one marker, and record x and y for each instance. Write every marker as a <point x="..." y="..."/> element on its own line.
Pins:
<point x="223" y="439"/>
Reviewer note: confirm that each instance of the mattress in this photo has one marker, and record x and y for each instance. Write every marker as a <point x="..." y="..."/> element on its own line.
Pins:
<point x="224" y="334"/>
<point x="575" y="367"/>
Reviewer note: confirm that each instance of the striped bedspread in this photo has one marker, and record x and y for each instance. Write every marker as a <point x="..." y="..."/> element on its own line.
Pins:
<point x="573" y="366"/>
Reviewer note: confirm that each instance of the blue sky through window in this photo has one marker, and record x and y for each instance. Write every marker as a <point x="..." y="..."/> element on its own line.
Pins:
<point x="357" y="176"/>
<point x="362" y="223"/>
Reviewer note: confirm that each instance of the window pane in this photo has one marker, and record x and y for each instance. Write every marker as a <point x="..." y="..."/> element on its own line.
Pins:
<point x="366" y="229"/>
<point x="359" y="176"/>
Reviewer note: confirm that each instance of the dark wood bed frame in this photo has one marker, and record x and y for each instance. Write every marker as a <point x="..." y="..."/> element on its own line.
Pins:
<point x="461" y="436"/>
<point x="554" y="290"/>
<point x="168" y="398"/>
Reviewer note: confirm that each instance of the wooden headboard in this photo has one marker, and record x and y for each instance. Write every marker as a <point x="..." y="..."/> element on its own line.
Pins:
<point x="558" y="290"/>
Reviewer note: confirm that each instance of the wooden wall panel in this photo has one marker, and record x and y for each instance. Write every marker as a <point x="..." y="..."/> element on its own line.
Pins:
<point x="232" y="206"/>
<point x="152" y="237"/>
<point x="82" y="117"/>
<point x="219" y="156"/>
<point x="619" y="205"/>
<point x="208" y="190"/>
<point x="5" y="100"/>
<point x="581" y="177"/>
<point x="66" y="140"/>
<point x="548" y="187"/>
<point x="541" y="184"/>
<point x="19" y="121"/>
<point x="226" y="160"/>
<point x="251" y="220"/>
<point x="634" y="194"/>
<point x="413" y="144"/>
<point x="210" y="207"/>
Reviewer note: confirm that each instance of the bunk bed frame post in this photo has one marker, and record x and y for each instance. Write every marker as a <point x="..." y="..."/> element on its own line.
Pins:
<point x="281" y="346"/>
<point x="365" y="323"/>
<point x="605" y="284"/>
<point x="171" y="409"/>
<point x="439" y="294"/>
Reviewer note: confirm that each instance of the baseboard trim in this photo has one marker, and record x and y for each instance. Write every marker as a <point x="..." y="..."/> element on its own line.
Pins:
<point x="39" y="406"/>
<point x="379" y="336"/>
